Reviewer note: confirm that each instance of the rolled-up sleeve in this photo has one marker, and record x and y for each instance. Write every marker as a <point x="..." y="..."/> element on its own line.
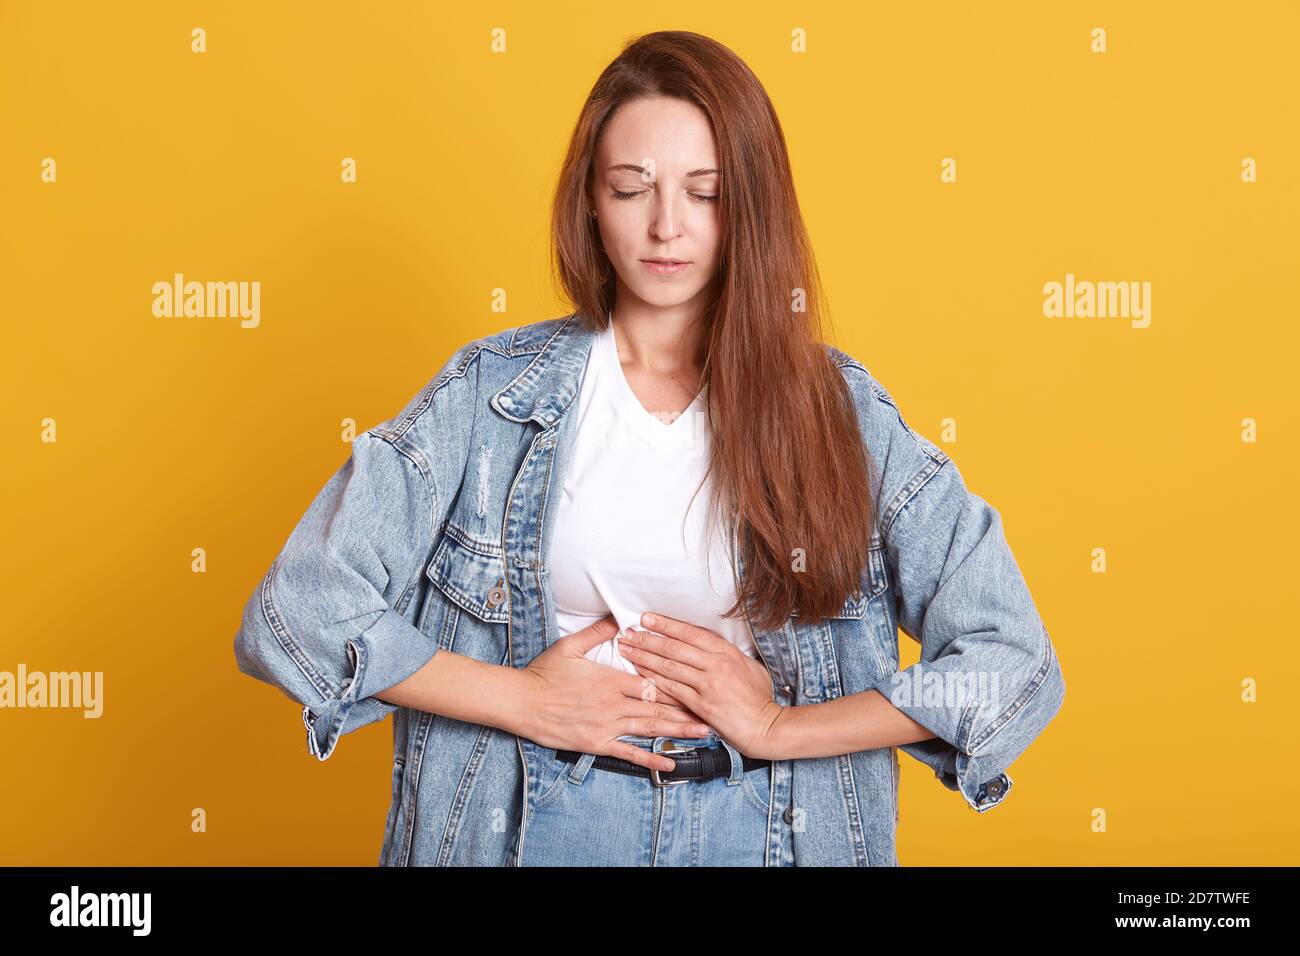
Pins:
<point x="988" y="680"/>
<point x="323" y="623"/>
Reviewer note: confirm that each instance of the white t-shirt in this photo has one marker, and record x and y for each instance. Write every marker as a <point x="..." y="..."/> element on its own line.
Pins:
<point x="625" y="539"/>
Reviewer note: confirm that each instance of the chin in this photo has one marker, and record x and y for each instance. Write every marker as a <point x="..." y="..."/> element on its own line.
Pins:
<point x="666" y="294"/>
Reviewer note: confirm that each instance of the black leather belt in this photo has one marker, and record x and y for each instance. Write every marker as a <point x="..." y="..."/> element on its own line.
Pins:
<point x="690" y="763"/>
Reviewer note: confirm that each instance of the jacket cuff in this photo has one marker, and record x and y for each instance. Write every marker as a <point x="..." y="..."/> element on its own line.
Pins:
<point x="983" y="784"/>
<point x="980" y="779"/>
<point x="382" y="656"/>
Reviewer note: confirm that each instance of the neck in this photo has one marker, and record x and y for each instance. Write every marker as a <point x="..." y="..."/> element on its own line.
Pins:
<point x="663" y="341"/>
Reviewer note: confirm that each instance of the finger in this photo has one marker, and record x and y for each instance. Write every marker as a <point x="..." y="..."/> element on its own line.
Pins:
<point x="661" y="711"/>
<point x="667" y="666"/>
<point x="638" y="755"/>
<point x="684" y="693"/>
<point x="634" y="685"/>
<point x="632" y="640"/>
<point x="659" y="727"/>
<point x="685" y="712"/>
<point x="662" y="696"/>
<point x="684" y="631"/>
<point x="594" y="634"/>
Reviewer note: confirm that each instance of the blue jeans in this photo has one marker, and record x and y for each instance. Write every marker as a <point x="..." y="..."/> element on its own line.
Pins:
<point x="586" y="816"/>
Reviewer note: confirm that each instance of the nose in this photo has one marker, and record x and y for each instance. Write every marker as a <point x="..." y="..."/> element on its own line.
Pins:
<point x="665" y="226"/>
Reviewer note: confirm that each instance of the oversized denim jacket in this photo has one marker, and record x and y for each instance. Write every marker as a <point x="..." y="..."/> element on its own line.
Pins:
<point x="435" y="535"/>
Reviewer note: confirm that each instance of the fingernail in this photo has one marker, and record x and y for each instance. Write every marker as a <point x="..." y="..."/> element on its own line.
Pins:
<point x="648" y="619"/>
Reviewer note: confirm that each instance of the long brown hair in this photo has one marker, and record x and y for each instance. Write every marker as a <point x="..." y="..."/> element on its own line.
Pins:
<point x="787" y="458"/>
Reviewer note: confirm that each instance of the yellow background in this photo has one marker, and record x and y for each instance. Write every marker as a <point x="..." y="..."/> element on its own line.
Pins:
<point x="1085" y="433"/>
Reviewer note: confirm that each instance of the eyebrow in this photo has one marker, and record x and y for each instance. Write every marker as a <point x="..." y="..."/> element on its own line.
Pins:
<point x="640" y="169"/>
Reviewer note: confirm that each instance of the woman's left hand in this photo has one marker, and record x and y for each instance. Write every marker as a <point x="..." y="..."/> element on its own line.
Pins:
<point x="729" y="690"/>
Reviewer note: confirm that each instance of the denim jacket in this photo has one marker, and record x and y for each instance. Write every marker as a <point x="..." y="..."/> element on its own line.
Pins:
<point x="435" y="533"/>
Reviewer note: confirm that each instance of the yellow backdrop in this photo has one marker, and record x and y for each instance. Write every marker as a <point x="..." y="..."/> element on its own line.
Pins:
<point x="952" y="161"/>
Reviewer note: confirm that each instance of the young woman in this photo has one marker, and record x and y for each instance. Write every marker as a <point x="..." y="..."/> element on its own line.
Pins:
<point x="679" y="598"/>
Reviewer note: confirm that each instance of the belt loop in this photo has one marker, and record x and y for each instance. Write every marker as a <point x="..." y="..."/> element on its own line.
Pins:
<point x="737" y="766"/>
<point x="578" y="772"/>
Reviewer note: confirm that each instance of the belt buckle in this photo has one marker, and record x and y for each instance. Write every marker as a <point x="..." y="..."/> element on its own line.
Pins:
<point x="654" y="771"/>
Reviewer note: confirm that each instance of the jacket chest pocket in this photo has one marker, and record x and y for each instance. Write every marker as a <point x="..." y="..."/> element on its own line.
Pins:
<point x="469" y="574"/>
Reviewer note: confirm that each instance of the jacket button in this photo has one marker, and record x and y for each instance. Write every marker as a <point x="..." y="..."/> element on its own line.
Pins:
<point x="787" y="690"/>
<point x="788" y="816"/>
<point x="496" y="596"/>
<point x="995" y="788"/>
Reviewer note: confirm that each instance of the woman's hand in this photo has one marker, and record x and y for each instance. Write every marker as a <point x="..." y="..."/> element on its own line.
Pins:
<point x="572" y="703"/>
<point x="705" y="672"/>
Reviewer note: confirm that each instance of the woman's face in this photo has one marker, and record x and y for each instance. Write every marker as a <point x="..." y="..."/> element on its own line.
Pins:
<point x="656" y="198"/>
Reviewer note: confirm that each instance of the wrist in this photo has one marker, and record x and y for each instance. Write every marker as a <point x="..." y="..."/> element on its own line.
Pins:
<point x="776" y="738"/>
<point x="516" y="695"/>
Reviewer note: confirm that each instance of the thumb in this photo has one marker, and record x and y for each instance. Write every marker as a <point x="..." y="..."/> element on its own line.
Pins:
<point x="594" y="634"/>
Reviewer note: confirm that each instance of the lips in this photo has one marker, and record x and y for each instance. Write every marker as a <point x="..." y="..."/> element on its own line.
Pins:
<point x="665" y="267"/>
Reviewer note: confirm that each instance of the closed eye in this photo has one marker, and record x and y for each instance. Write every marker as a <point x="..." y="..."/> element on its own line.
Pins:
<point x="696" y="196"/>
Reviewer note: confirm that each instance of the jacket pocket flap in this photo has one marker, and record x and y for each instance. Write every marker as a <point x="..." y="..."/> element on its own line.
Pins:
<point x="471" y="575"/>
<point x="874" y="583"/>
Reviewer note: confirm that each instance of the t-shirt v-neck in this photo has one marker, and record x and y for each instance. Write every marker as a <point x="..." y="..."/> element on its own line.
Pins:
<point x="655" y="430"/>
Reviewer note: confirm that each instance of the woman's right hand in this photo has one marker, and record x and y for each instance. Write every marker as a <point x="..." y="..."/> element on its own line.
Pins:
<point x="573" y="703"/>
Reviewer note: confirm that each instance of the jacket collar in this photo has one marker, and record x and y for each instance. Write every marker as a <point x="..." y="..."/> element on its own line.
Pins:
<point x="545" y="389"/>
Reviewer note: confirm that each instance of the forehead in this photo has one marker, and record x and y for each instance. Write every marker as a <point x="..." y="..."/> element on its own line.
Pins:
<point x="675" y="134"/>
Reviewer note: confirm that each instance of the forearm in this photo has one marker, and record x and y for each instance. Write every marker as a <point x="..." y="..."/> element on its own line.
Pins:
<point x="862" y="721"/>
<point x="463" y="688"/>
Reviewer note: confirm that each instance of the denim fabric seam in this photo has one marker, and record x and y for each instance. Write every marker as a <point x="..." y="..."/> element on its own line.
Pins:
<point x="553" y="788"/>
<point x="470" y="542"/>
<point x="275" y="621"/>
<point x="490" y="343"/>
<point x="882" y="395"/>
<point x="911" y="488"/>
<point x="402" y="445"/>
<point x="456" y="814"/>
<point x="1022" y="701"/>
<point x="432" y="497"/>
<point x="751" y="792"/>
<point x="411" y="780"/>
